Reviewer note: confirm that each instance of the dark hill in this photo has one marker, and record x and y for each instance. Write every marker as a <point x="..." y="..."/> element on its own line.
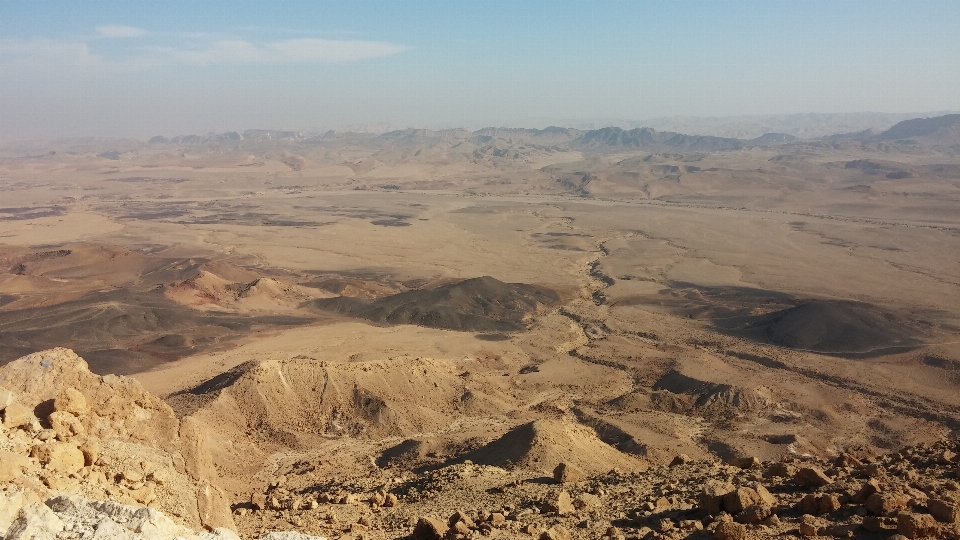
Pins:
<point x="121" y="331"/>
<point x="826" y="326"/>
<point x="652" y="139"/>
<point x="482" y="304"/>
<point x="939" y="129"/>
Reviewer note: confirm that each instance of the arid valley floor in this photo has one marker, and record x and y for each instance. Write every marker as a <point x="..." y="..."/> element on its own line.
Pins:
<point x="442" y="317"/>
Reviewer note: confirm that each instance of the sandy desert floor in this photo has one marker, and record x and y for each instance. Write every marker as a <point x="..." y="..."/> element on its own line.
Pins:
<point x="316" y="302"/>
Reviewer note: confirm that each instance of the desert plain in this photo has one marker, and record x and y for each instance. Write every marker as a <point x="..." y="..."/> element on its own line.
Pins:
<point x="363" y="313"/>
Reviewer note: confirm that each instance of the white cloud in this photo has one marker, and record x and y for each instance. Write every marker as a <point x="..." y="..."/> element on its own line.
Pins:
<point x="120" y="31"/>
<point x="42" y="55"/>
<point x="291" y="51"/>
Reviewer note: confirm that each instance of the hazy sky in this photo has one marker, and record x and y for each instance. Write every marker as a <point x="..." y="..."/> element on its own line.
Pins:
<point x="142" y="68"/>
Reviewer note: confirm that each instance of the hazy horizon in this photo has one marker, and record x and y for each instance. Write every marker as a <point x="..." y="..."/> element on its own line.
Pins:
<point x="138" y="70"/>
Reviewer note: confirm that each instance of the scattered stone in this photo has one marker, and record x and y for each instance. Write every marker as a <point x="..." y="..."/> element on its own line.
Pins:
<point x="91" y="452"/>
<point x="566" y="472"/>
<point x="811" y="477"/>
<point x="879" y="523"/>
<point x="768" y="498"/>
<point x="869" y="488"/>
<point x="560" y="504"/>
<point x="390" y="500"/>
<point x="754" y="514"/>
<point x="846" y="460"/>
<point x="71" y="401"/>
<point x="429" y="528"/>
<point x="744" y="462"/>
<point x="711" y="498"/>
<point x="739" y="499"/>
<point x="680" y="459"/>
<point x="461" y="516"/>
<point x="917" y="525"/>
<point x="946" y="457"/>
<point x="16" y="415"/>
<point x="460" y="528"/>
<point x="819" y="504"/>
<point x="59" y="457"/>
<point x="781" y="470"/>
<point x="828" y="504"/>
<point x="808" y="525"/>
<point x="874" y="470"/>
<point x="729" y="530"/>
<point x="944" y="511"/>
<point x="12" y="465"/>
<point x="555" y="533"/>
<point x="586" y="500"/>
<point x="881" y="504"/>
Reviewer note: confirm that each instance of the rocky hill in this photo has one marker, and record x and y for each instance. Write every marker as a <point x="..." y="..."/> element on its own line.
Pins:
<point x="480" y="304"/>
<point x="85" y="456"/>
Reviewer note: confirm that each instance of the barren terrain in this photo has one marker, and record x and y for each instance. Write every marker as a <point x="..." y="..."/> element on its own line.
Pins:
<point x="381" y="311"/>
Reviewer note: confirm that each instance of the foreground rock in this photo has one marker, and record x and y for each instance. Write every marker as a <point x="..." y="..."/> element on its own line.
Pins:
<point x="69" y="431"/>
<point x="913" y="492"/>
<point x="71" y="516"/>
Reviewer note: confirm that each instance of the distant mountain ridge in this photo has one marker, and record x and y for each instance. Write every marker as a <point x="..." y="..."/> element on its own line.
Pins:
<point x="939" y="129"/>
<point x="655" y="140"/>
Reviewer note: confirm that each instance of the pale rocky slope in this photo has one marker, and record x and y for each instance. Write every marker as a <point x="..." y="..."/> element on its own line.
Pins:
<point x="85" y="456"/>
<point x="67" y="430"/>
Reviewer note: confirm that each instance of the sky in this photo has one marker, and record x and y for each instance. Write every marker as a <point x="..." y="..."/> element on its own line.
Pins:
<point x="137" y="69"/>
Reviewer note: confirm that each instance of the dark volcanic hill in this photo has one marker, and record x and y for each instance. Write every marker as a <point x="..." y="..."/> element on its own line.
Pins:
<point x="657" y="140"/>
<point x="826" y="326"/>
<point x="938" y="130"/>
<point x="480" y="304"/>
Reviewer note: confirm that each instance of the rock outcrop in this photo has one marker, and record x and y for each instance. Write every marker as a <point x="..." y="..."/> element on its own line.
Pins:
<point x="69" y="431"/>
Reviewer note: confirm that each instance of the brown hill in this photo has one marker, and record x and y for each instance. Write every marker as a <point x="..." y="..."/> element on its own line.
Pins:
<point x="541" y="444"/>
<point x="482" y="304"/>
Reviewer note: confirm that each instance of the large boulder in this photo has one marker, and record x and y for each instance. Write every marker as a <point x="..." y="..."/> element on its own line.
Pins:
<point x="917" y="525"/>
<point x="811" y="477"/>
<point x="711" y="498"/>
<point x="568" y="472"/>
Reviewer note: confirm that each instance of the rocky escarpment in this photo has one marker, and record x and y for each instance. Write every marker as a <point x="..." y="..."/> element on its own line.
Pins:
<point x="66" y="430"/>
